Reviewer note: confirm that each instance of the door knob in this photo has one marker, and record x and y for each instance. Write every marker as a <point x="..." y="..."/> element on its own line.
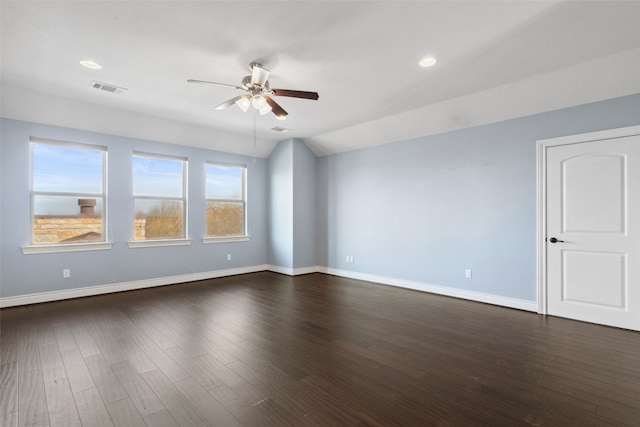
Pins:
<point x="554" y="240"/>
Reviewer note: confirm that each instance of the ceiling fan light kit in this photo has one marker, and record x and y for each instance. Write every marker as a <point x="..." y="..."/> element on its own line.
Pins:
<point x="244" y="103"/>
<point x="264" y="110"/>
<point x="258" y="102"/>
<point x="258" y="94"/>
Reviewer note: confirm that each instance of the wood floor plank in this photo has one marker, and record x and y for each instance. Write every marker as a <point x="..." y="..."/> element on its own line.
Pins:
<point x="46" y="335"/>
<point x="207" y="407"/>
<point x="249" y="373"/>
<point x="137" y="357"/>
<point x="92" y="409"/>
<point x="28" y="352"/>
<point x="9" y="390"/>
<point x="85" y="342"/>
<point x="342" y="401"/>
<point x="288" y="393"/>
<point x="192" y="366"/>
<point x="144" y="399"/>
<point x="32" y="401"/>
<point x="106" y="335"/>
<point x="156" y="355"/>
<point x="61" y="404"/>
<point x="64" y="337"/>
<point x="323" y="418"/>
<point x="220" y="370"/>
<point x="105" y="379"/>
<point x="9" y="420"/>
<point x="9" y="347"/>
<point x="274" y="414"/>
<point x="175" y="332"/>
<point x="239" y="403"/>
<point x="161" y="419"/>
<point x="217" y="345"/>
<point x="79" y="376"/>
<point x="123" y="413"/>
<point x="181" y="410"/>
<point x="144" y="321"/>
<point x="51" y="360"/>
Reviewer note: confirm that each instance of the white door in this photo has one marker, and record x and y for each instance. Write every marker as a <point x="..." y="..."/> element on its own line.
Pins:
<point x="593" y="231"/>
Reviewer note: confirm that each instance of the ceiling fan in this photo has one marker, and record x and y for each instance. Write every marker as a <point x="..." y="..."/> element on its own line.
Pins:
<point x="258" y="94"/>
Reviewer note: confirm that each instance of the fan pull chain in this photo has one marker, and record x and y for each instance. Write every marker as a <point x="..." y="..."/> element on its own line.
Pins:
<point x="255" y="145"/>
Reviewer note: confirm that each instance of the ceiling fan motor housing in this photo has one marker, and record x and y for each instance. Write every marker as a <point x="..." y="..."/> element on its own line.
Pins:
<point x="246" y="83"/>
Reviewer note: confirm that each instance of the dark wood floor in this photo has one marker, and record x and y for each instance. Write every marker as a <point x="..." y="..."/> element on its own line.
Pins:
<point x="265" y="349"/>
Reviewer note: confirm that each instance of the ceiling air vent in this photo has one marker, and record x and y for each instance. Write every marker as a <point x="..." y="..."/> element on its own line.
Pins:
<point x="107" y="87"/>
<point x="280" y="129"/>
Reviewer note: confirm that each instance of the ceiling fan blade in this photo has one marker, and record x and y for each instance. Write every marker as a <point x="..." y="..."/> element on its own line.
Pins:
<point x="214" y="83"/>
<point x="276" y="108"/>
<point x="228" y="103"/>
<point x="259" y="75"/>
<point x="295" y="93"/>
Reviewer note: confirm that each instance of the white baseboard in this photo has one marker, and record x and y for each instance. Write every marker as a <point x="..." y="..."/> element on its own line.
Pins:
<point x="435" y="289"/>
<point x="293" y="271"/>
<point x="171" y="280"/>
<point x="124" y="286"/>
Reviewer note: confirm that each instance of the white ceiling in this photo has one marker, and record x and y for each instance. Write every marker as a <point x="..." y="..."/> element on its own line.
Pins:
<point x="497" y="60"/>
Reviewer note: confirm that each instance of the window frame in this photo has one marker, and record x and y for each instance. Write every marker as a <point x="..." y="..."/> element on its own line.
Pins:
<point x="164" y="241"/>
<point x="38" y="248"/>
<point x="245" y="223"/>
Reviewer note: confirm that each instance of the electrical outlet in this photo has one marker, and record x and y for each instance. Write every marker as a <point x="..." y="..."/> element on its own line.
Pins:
<point x="228" y="257"/>
<point x="351" y="259"/>
<point x="467" y="273"/>
<point x="346" y="259"/>
<point x="66" y="273"/>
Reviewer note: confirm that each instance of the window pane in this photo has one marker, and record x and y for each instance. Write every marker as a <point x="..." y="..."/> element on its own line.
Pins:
<point x="225" y="218"/>
<point x="157" y="177"/>
<point x="158" y="219"/>
<point x="59" y="219"/>
<point x="65" y="169"/>
<point x="224" y="182"/>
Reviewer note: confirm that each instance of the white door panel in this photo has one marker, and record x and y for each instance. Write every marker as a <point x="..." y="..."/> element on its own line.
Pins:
<point x="593" y="184"/>
<point x="593" y="210"/>
<point x="588" y="271"/>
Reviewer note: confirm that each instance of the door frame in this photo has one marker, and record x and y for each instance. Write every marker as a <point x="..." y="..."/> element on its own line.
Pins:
<point x="541" y="191"/>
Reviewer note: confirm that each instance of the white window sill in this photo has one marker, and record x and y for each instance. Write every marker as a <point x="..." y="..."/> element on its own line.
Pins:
<point x="225" y="239"/>
<point x="69" y="247"/>
<point x="160" y="242"/>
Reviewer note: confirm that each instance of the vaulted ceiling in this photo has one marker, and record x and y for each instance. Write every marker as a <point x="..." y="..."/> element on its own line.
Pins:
<point x="496" y="60"/>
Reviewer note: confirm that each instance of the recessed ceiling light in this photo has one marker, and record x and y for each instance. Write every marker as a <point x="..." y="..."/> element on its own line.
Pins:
<point x="429" y="61"/>
<point x="91" y="65"/>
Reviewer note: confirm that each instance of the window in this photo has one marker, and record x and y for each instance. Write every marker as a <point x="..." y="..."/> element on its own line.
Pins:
<point x="68" y="193"/>
<point x="226" y="201"/>
<point x="159" y="191"/>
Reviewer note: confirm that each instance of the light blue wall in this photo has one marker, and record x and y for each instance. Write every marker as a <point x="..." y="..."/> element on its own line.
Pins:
<point x="26" y="274"/>
<point x="421" y="210"/>
<point x="427" y="209"/>
<point x="304" y="208"/>
<point x="280" y="205"/>
<point x="292" y="205"/>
